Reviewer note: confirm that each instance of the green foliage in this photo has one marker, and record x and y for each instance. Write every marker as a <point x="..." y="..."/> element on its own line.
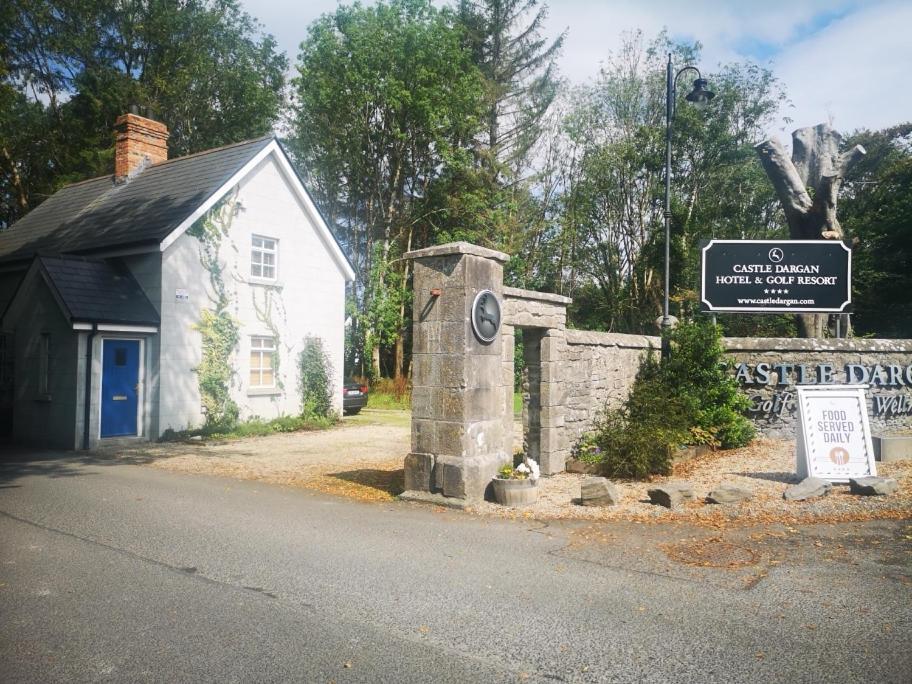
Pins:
<point x="315" y="379"/>
<point x="697" y="373"/>
<point x="607" y="246"/>
<point x="219" y="331"/>
<point x="387" y="99"/>
<point x="272" y="304"/>
<point x="519" y="362"/>
<point x="689" y="398"/>
<point x="518" y="66"/>
<point x="220" y="334"/>
<point x="74" y="67"/>
<point x="255" y="427"/>
<point x="877" y="212"/>
<point x="390" y="394"/>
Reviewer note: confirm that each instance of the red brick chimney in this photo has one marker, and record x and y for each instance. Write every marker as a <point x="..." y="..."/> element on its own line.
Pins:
<point x="140" y="142"/>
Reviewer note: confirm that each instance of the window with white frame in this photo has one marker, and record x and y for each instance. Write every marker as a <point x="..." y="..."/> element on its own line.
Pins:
<point x="262" y="355"/>
<point x="263" y="257"/>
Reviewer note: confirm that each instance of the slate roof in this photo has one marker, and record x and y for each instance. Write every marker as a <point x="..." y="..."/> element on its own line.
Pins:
<point x="96" y="291"/>
<point x="99" y="214"/>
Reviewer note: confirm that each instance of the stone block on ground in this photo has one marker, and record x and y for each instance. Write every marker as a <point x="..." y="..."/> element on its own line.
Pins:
<point x="582" y="467"/>
<point x="685" y="488"/>
<point x="808" y="488"/>
<point x="892" y="448"/>
<point x="729" y="494"/>
<point x="598" y="491"/>
<point x="669" y="497"/>
<point x="419" y="470"/>
<point x="873" y="486"/>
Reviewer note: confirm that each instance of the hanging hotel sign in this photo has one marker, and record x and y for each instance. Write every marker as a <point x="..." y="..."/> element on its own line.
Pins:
<point x="486" y="316"/>
<point x="773" y="276"/>
<point x="835" y="439"/>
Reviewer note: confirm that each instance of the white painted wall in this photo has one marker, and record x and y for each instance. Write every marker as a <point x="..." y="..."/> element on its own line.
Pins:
<point x="308" y="298"/>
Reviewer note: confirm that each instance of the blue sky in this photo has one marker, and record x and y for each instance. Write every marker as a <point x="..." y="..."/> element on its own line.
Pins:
<point x="844" y="61"/>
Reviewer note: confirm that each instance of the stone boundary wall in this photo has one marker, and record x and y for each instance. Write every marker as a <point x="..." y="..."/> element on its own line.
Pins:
<point x="462" y="394"/>
<point x="599" y="369"/>
<point x="770" y="369"/>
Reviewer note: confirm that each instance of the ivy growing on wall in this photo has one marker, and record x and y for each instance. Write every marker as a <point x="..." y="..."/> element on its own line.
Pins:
<point x="219" y="330"/>
<point x="272" y="301"/>
<point x="220" y="334"/>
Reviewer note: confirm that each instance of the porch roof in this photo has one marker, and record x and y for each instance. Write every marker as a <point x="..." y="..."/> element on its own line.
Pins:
<point x="97" y="291"/>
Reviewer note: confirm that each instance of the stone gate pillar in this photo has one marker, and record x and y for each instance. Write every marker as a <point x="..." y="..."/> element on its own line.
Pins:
<point x="458" y="422"/>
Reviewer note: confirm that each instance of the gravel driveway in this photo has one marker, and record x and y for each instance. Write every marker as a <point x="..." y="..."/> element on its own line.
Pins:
<point x="363" y="458"/>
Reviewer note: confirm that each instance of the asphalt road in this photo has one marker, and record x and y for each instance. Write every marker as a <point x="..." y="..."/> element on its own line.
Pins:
<point x="112" y="572"/>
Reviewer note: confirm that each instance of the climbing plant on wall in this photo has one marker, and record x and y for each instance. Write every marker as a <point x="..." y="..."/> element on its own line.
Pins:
<point x="271" y="305"/>
<point x="219" y="330"/>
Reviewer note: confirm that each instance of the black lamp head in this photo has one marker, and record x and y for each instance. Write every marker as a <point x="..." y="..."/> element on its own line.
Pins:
<point x="700" y="95"/>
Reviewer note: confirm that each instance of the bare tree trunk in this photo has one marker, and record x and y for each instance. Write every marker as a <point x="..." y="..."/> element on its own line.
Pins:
<point x="375" y="362"/>
<point x="808" y="186"/>
<point x="16" y="180"/>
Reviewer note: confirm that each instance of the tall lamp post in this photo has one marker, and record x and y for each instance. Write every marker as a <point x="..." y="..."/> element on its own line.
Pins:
<point x="699" y="96"/>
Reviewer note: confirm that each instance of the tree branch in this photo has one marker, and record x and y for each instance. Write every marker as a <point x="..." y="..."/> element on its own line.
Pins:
<point x="784" y="176"/>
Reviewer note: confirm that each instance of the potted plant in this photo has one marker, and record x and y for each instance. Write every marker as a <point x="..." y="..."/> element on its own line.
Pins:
<point x="517" y="486"/>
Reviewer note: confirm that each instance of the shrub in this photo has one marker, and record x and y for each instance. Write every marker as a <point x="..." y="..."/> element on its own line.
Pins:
<point x="253" y="427"/>
<point x="689" y="398"/>
<point x="315" y="379"/>
<point x="390" y="393"/>
<point x="220" y="334"/>
<point x="697" y="372"/>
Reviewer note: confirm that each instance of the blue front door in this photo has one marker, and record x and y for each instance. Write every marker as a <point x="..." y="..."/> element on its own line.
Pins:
<point x="119" y="387"/>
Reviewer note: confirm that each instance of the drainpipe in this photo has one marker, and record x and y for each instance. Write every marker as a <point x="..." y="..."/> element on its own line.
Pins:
<point x="88" y="386"/>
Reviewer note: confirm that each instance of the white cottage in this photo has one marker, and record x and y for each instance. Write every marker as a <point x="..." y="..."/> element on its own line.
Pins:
<point x="136" y="303"/>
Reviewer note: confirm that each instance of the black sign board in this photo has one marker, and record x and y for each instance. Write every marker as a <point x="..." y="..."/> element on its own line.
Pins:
<point x="773" y="276"/>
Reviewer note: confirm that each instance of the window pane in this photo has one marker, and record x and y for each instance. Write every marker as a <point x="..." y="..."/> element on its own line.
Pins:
<point x="268" y="342"/>
<point x="267" y="378"/>
<point x="263" y="257"/>
<point x="255" y="360"/>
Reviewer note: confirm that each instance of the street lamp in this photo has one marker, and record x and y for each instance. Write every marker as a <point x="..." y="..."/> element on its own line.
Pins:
<point x="699" y="96"/>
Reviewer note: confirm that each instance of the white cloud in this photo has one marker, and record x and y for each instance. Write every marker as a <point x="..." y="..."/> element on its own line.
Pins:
<point x="855" y="69"/>
<point x="858" y="72"/>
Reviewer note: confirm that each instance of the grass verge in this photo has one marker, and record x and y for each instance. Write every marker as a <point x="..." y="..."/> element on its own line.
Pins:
<point x="255" y="427"/>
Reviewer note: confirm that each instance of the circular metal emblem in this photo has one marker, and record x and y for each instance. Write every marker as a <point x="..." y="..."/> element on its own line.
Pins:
<point x="486" y="316"/>
<point x="776" y="255"/>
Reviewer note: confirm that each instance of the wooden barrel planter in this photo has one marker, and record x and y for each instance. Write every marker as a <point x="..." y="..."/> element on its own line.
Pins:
<point x="515" y="492"/>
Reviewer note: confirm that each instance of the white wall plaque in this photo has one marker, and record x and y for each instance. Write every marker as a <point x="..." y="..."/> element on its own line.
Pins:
<point x="835" y="438"/>
<point x="182" y="295"/>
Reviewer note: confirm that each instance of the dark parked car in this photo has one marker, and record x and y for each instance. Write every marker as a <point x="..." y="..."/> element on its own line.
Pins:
<point x="354" y="396"/>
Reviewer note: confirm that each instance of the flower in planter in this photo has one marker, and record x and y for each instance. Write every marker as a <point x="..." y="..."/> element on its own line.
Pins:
<point x="527" y="470"/>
